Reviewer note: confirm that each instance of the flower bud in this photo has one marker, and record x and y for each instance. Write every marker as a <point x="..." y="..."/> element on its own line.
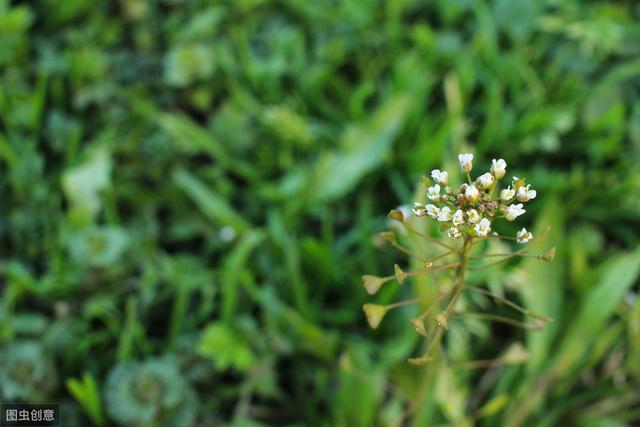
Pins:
<point x="466" y="162"/>
<point x="498" y="168"/>
<point x="472" y="194"/>
<point x="485" y="180"/>
<point x="491" y="208"/>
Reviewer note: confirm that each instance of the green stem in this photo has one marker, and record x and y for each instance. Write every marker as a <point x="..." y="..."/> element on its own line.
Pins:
<point x="459" y="286"/>
<point x="501" y="319"/>
<point x="511" y="304"/>
<point x="429" y="238"/>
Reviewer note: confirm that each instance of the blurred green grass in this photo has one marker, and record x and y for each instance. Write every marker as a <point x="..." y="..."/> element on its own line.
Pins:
<point x="190" y="191"/>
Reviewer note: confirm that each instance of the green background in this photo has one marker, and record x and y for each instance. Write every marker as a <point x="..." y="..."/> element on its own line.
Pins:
<point x="189" y="192"/>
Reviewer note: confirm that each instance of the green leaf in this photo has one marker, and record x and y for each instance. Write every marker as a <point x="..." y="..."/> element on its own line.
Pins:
<point x="618" y="275"/>
<point x="210" y="204"/>
<point x="363" y="147"/>
<point x="225" y="348"/>
<point x="85" y="391"/>
<point x="192" y="138"/>
<point x="83" y="183"/>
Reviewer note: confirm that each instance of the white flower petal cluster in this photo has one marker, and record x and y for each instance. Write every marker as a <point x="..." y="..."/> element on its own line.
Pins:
<point x="441" y="177"/>
<point x="473" y="216"/>
<point x="418" y="209"/>
<point x="486" y="180"/>
<point x="445" y="214"/>
<point x="498" y="168"/>
<point x="458" y="218"/>
<point x="466" y="162"/>
<point x="511" y="212"/>
<point x="524" y="194"/>
<point x="507" y="194"/>
<point x="472" y="208"/>
<point x="433" y="193"/>
<point x="523" y="236"/>
<point x="483" y="227"/>
<point x="472" y="194"/>
<point x="454" y="233"/>
<point x="432" y="211"/>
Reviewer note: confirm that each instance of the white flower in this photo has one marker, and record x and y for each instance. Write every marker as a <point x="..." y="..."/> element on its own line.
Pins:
<point x="466" y="162"/>
<point x="472" y="194"/>
<point x="483" y="227"/>
<point x="486" y="180"/>
<point x="513" y="211"/>
<point x="432" y="211"/>
<point x="473" y="216"/>
<point x="418" y="209"/>
<point x="441" y="177"/>
<point x="454" y="233"/>
<point x="507" y="193"/>
<point x="458" y="218"/>
<point x="498" y="168"/>
<point x="523" y="236"/>
<point x="445" y="214"/>
<point x="524" y="194"/>
<point x="433" y="193"/>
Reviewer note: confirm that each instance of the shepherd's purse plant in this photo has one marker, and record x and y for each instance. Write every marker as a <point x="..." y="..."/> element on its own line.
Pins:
<point x="467" y="215"/>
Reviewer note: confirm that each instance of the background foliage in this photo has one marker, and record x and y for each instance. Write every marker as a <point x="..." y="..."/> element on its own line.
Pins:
<point x="190" y="188"/>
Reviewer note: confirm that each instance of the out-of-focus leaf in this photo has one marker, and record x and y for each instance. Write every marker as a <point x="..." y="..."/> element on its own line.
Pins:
<point x="85" y="391"/>
<point x="362" y="148"/>
<point x="193" y="138"/>
<point x="361" y="389"/>
<point x="225" y="348"/>
<point x="210" y="204"/>
<point x="598" y="305"/>
<point x="98" y="246"/>
<point x="451" y="396"/>
<point x="541" y="283"/>
<point x="233" y="269"/>
<point x="83" y="183"/>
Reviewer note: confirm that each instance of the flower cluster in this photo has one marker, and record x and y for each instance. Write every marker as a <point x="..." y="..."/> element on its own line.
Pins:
<point x="473" y="206"/>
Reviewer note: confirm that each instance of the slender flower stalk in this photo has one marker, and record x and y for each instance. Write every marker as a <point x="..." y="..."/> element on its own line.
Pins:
<point x="467" y="215"/>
